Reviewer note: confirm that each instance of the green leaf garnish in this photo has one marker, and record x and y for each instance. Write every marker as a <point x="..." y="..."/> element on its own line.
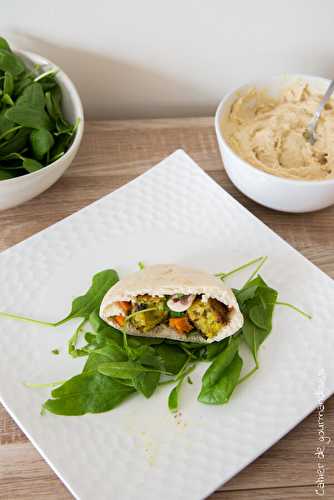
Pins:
<point x="32" y="124"/>
<point x="118" y="365"/>
<point x="86" y="304"/>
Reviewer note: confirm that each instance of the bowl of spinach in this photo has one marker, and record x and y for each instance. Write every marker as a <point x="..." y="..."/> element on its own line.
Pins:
<point x="41" y="124"/>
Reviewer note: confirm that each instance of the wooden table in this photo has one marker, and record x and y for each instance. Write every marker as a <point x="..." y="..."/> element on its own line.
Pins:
<point x="113" y="153"/>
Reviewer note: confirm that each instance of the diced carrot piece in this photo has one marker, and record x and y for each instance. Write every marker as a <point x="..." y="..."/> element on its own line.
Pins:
<point x="120" y="320"/>
<point x="181" y="325"/>
<point x="125" y="305"/>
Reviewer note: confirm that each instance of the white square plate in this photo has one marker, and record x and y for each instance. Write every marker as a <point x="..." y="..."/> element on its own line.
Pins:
<point x="172" y="213"/>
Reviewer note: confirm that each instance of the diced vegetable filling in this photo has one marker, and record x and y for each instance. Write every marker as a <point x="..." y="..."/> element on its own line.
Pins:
<point x="156" y="312"/>
<point x="183" y="313"/>
<point x="208" y="317"/>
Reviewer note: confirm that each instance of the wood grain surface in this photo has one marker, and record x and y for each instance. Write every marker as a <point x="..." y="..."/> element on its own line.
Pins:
<point x="113" y="153"/>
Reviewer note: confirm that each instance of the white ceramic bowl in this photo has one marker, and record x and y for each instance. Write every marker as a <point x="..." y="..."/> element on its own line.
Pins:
<point x="275" y="192"/>
<point x="20" y="189"/>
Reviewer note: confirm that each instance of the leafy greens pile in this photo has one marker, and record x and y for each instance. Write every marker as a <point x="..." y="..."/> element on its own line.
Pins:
<point x="33" y="130"/>
<point x="118" y="365"/>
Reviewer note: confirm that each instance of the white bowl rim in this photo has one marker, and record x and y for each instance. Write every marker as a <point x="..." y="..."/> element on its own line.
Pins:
<point x="77" y="105"/>
<point x="246" y="164"/>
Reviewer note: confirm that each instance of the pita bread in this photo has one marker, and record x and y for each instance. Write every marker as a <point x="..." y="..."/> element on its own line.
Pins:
<point x="169" y="279"/>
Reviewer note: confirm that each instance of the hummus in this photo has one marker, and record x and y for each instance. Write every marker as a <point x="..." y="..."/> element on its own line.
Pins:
<point x="268" y="133"/>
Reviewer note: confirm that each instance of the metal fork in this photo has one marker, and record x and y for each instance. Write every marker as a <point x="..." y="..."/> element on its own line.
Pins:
<point x="309" y="133"/>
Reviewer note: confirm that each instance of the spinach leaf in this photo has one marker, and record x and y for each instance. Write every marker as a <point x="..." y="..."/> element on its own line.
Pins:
<point x="254" y="336"/>
<point x="94" y="360"/>
<point x="212" y="350"/>
<point x="7" y="100"/>
<point x="15" y="143"/>
<point x="8" y="84"/>
<point x="4" y="44"/>
<point x="96" y="321"/>
<point x="173" y="399"/>
<point x="84" y="305"/>
<point x="221" y="377"/>
<point x="41" y="142"/>
<point x="28" y="116"/>
<point x="23" y="82"/>
<point x="31" y="165"/>
<point x="60" y="146"/>
<point x="195" y="350"/>
<point x="109" y="334"/>
<point x="87" y="393"/>
<point x="139" y="341"/>
<point x="4" y="174"/>
<point x="10" y="62"/>
<point x="145" y="355"/>
<point x="172" y="357"/>
<point x="261" y="310"/>
<point x="30" y="101"/>
<point x="124" y="369"/>
<point x="147" y="382"/>
<point x="53" y="105"/>
<point x="5" y="124"/>
<point x="225" y="378"/>
<point x="32" y="97"/>
<point x="257" y="304"/>
<point x="111" y="351"/>
<point x="249" y="290"/>
<point x="28" y="110"/>
<point x="213" y="373"/>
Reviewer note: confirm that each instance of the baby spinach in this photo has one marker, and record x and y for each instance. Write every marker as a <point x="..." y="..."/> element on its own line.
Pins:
<point x="253" y="336"/>
<point x="8" y="83"/>
<point x="213" y="373"/>
<point x="96" y="322"/>
<point x="10" y="62"/>
<point x="226" y="380"/>
<point x="28" y="116"/>
<point x="172" y="357"/>
<point x="16" y="142"/>
<point x="212" y="350"/>
<point x="87" y="393"/>
<point x="32" y="96"/>
<point x="31" y="165"/>
<point x="111" y="351"/>
<point x="32" y="123"/>
<point x="222" y="376"/>
<point x="86" y="304"/>
<point x="5" y="175"/>
<point x="173" y="398"/>
<point x="94" y="360"/>
<point x="125" y="369"/>
<point x="118" y="365"/>
<point x="4" y="44"/>
<point x="41" y="142"/>
<point x="147" y="382"/>
<point x="257" y="301"/>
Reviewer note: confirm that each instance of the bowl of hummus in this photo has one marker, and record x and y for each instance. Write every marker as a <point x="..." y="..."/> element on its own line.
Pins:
<point x="260" y="131"/>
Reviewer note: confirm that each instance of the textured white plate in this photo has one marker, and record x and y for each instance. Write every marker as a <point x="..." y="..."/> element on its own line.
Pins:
<point x="173" y="213"/>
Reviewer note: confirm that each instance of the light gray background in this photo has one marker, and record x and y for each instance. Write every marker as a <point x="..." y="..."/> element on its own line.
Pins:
<point x="154" y="58"/>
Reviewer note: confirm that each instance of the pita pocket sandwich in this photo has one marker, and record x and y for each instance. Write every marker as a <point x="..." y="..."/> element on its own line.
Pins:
<point x="172" y="302"/>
